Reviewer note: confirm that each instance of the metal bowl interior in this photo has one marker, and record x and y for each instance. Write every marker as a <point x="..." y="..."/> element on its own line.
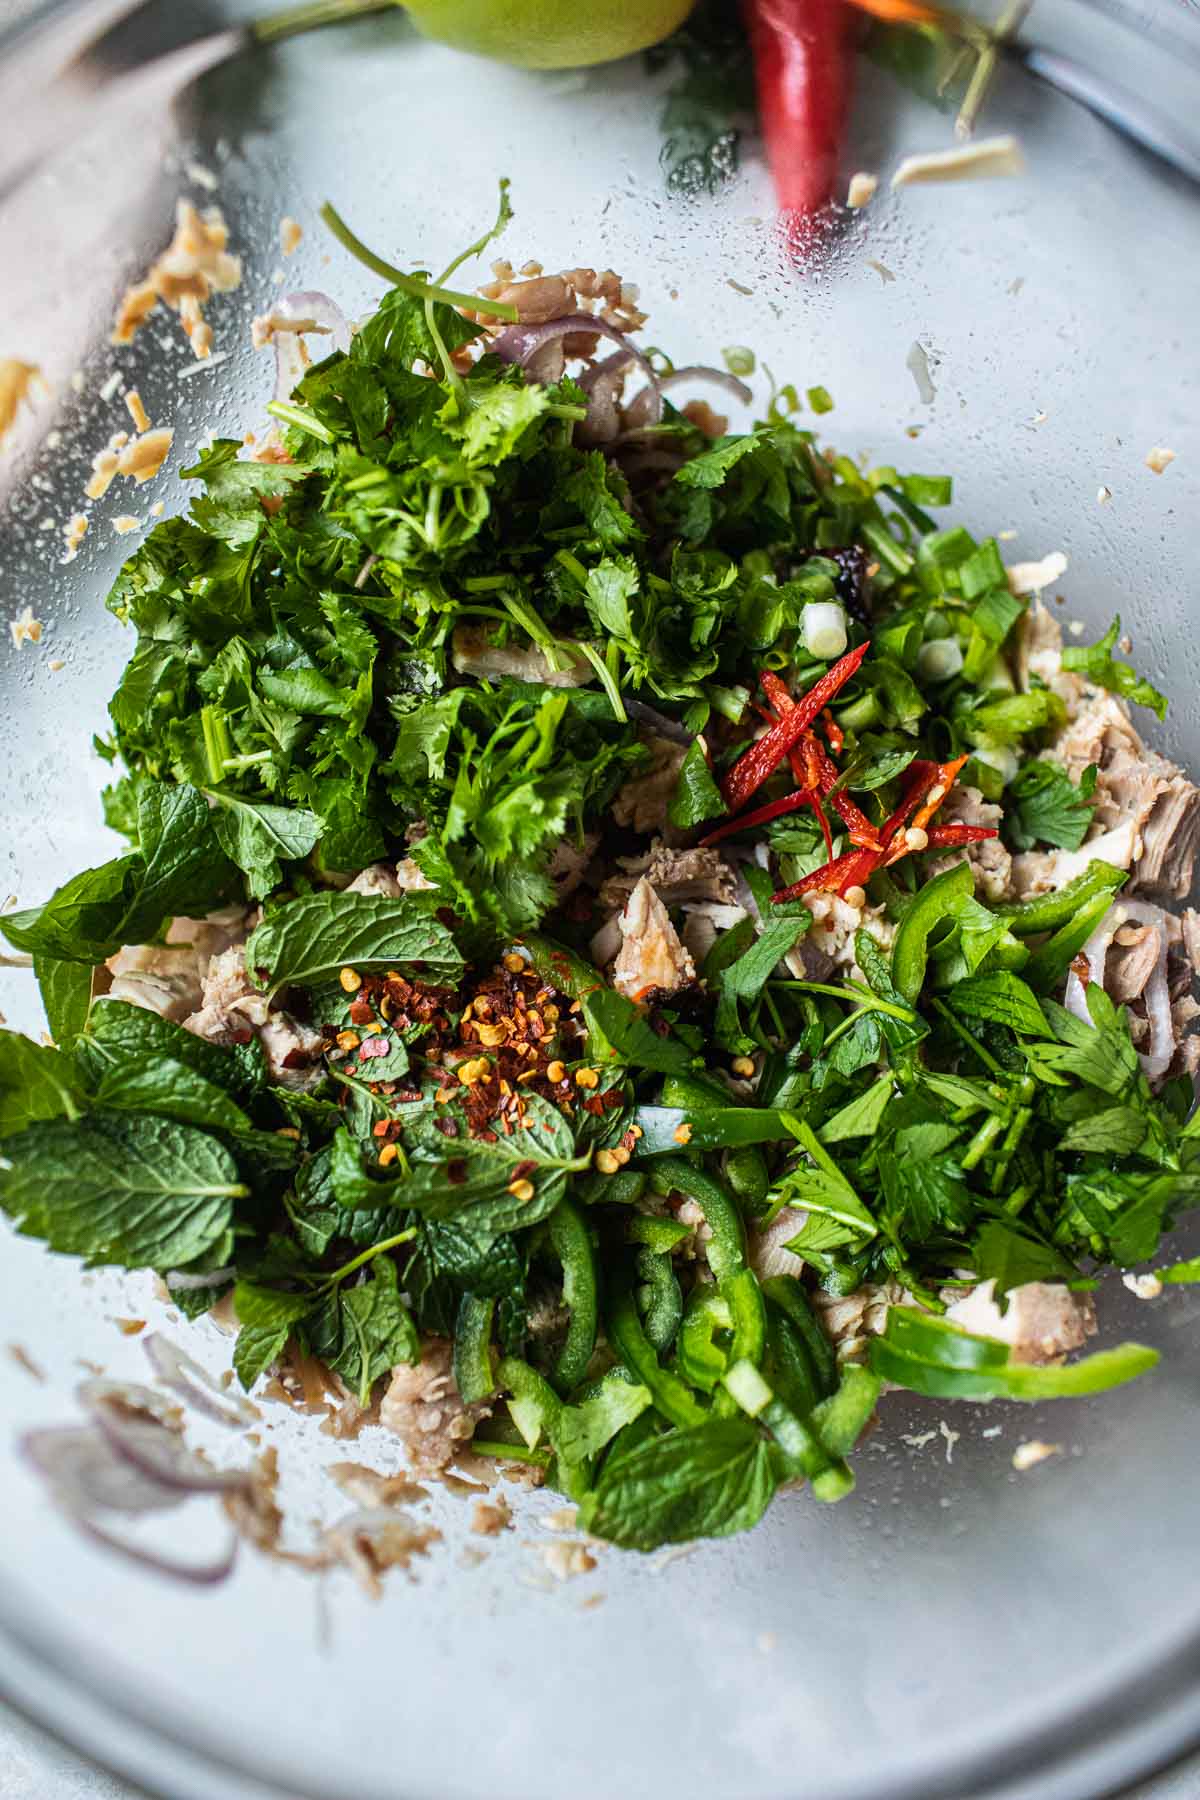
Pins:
<point x="954" y="1627"/>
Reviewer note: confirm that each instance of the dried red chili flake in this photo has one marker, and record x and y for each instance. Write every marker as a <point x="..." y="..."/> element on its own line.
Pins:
<point x="488" y="1137"/>
<point x="456" y="1171"/>
<point x="372" y="1047"/>
<point x="405" y="1096"/>
<point x="524" y="1168"/>
<point x="379" y="1128"/>
<point x="361" y="1012"/>
<point x="446" y="1125"/>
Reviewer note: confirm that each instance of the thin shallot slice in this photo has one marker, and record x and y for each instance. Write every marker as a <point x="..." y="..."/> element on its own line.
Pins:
<point x="1156" y="993"/>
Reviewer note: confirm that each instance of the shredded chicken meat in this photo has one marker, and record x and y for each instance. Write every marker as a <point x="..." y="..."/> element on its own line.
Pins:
<point x="651" y="954"/>
<point x="426" y="1411"/>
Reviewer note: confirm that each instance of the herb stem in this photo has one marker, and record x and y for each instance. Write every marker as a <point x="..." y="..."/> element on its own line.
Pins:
<point x="509" y="1452"/>
<point x="606" y="680"/>
<point x="410" y="284"/>
<point x="401" y="1237"/>
<point x="292" y="20"/>
<point x="301" y="420"/>
<point x="972" y="1043"/>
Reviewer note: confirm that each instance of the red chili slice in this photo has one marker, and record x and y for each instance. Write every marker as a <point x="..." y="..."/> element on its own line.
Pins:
<point x="820" y="771"/>
<point x="949" y="837"/>
<point x="760" y="816"/>
<point x="763" y="758"/>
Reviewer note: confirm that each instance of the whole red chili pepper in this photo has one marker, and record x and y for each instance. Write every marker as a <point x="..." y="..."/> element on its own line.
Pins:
<point x="763" y="758"/>
<point x="802" y="64"/>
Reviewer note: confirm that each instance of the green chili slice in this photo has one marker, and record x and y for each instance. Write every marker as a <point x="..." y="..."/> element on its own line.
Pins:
<point x="1048" y="911"/>
<point x="571" y="1242"/>
<point x="472" y="1347"/>
<point x="939" y="899"/>
<point x="673" y="1398"/>
<point x="727" y="1247"/>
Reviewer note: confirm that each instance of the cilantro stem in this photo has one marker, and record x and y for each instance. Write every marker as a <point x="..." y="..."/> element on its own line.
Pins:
<point x="401" y="1237"/>
<point x="606" y="680"/>
<point x="872" y="1002"/>
<point x="301" y="420"/>
<point x="972" y="1043"/>
<point x="983" y="1140"/>
<point x="293" y="20"/>
<point x="410" y="284"/>
<point x="216" y="742"/>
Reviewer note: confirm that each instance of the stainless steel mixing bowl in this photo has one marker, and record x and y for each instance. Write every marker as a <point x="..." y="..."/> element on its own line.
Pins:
<point x="954" y="1628"/>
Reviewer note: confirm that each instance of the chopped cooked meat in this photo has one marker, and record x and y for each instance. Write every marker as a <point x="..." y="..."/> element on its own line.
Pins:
<point x="569" y="862"/>
<point x="850" y="1320"/>
<point x="164" y="979"/>
<point x="675" y="875"/>
<point x="702" y="920"/>
<point x="1132" y="959"/>
<point x="1135" y="787"/>
<point x="231" y="1008"/>
<point x="474" y="655"/>
<point x="425" y="1410"/>
<point x="376" y="1539"/>
<point x="766" y="1247"/>
<point x="390" y="880"/>
<point x="1189" y="925"/>
<point x="989" y="860"/>
<point x="651" y="955"/>
<point x="1043" y="1321"/>
<point x="1044" y="871"/>
<point x="835" y="923"/>
<point x="643" y="801"/>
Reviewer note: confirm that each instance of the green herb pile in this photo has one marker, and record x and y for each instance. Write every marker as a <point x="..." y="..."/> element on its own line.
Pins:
<point x="292" y="712"/>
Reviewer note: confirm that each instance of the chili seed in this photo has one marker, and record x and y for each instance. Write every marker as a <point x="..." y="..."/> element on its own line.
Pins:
<point x="388" y="1155"/>
<point x="587" y="1078"/>
<point x="916" y="839"/>
<point x="351" y="981"/>
<point x="683" y="1134"/>
<point x="514" y="964"/>
<point x="743" y="1066"/>
<point x="855" y="896"/>
<point x="521" y="1190"/>
<point x="555" y="1071"/>
<point x="606" y="1162"/>
<point x="621" y="1154"/>
<point x="348" y="1040"/>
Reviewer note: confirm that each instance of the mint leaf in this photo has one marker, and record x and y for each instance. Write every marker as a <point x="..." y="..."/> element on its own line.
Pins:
<point x="66" y="989"/>
<point x="708" y="1480"/>
<point x="257" y="1347"/>
<point x="619" y="1031"/>
<point x="36" y="1082"/>
<point x="308" y="940"/>
<point x="1002" y="998"/>
<point x="258" y="837"/>
<point x="362" y="1332"/>
<point x="145" y="1192"/>
<point x="1010" y="1257"/>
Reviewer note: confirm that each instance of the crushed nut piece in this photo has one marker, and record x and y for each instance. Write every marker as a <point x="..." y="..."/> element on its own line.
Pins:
<point x="25" y="629"/>
<point x="290" y="234"/>
<point x="17" y="381"/>
<point x="137" y="412"/>
<point x="862" y="189"/>
<point x="990" y="156"/>
<point x="1026" y="1456"/>
<point x="195" y="265"/>
<point x="1159" y="458"/>
<point x="124" y="523"/>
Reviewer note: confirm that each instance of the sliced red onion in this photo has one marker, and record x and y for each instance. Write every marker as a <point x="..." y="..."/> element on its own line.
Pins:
<point x="193" y="1383"/>
<point x="522" y="343"/>
<point x="306" y="311"/>
<point x="148" y="1431"/>
<point x="637" y="415"/>
<point x="601" y="384"/>
<point x="87" y="1473"/>
<point x="1156" y="993"/>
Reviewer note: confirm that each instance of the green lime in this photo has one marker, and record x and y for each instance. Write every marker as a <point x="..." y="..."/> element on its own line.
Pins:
<point x="549" y="34"/>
